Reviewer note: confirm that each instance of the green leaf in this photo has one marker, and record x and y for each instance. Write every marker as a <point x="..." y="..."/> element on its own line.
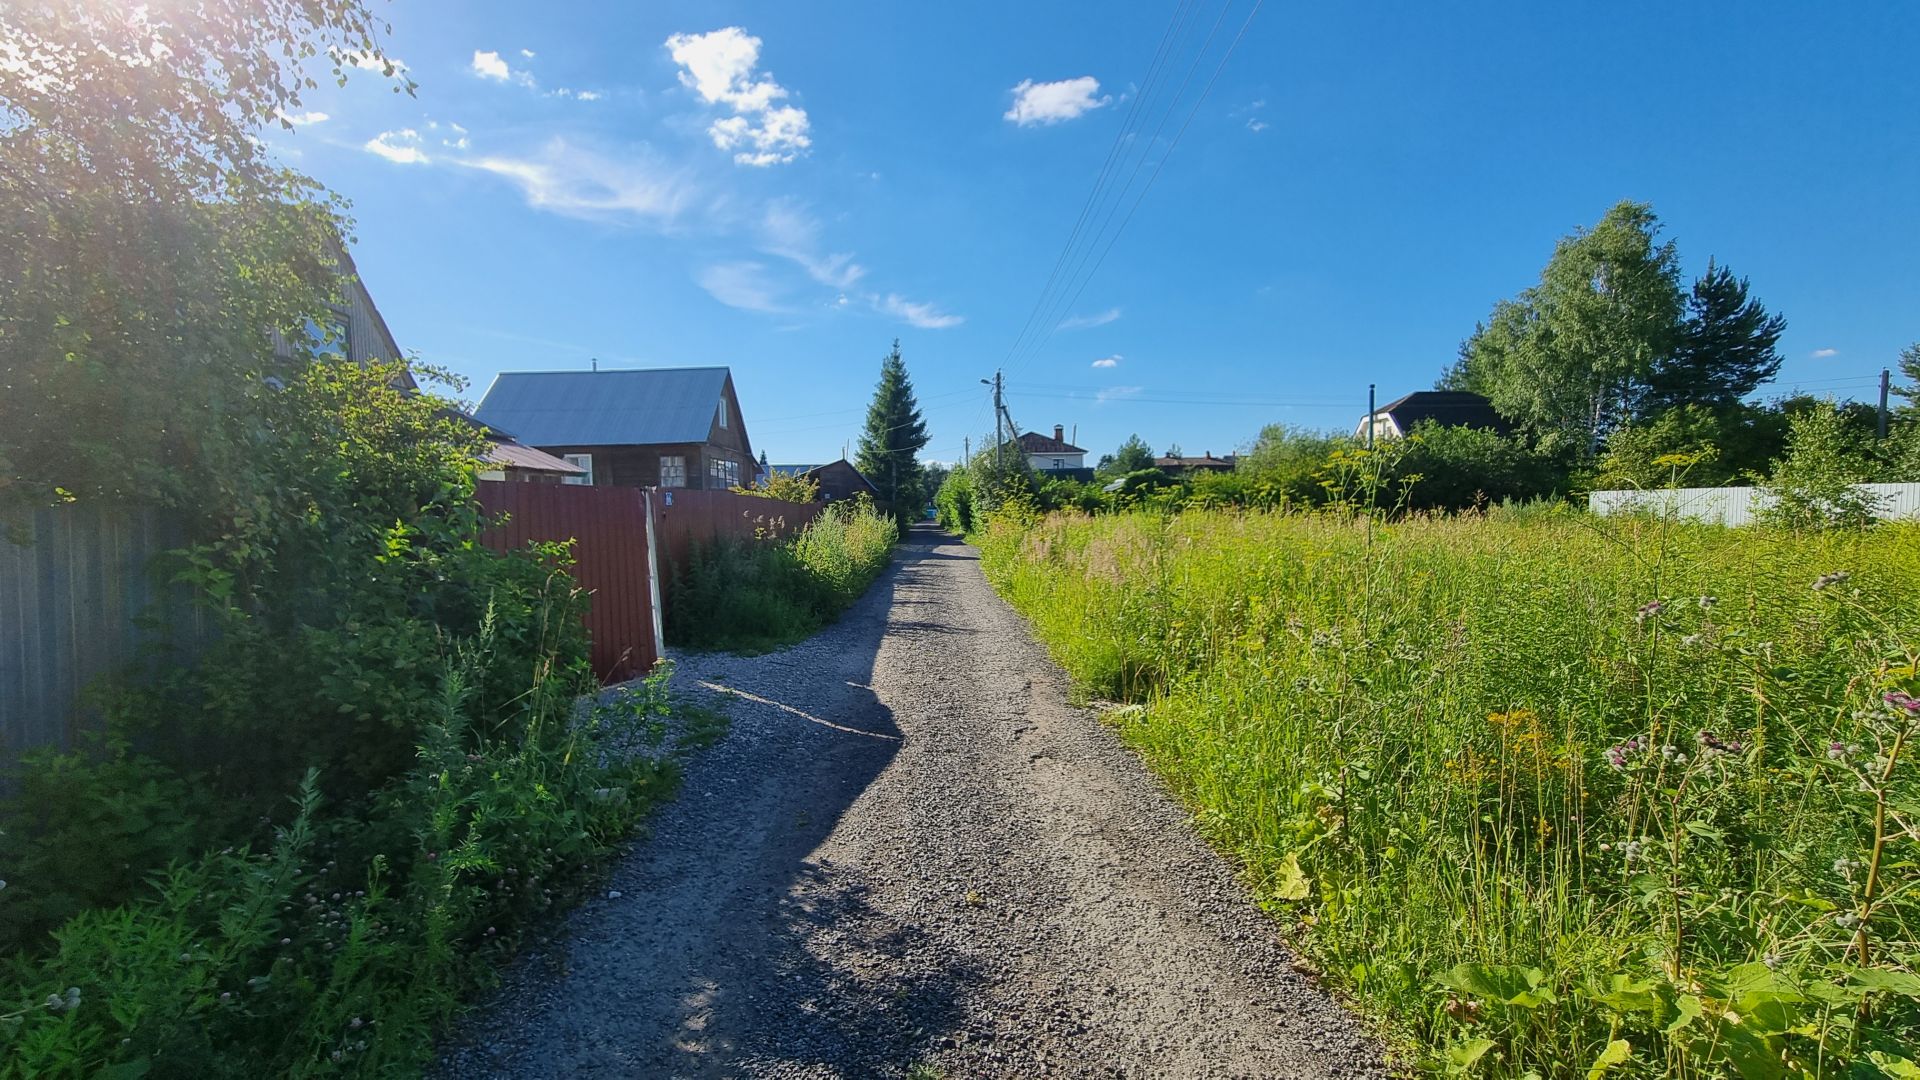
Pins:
<point x="1462" y="1058"/>
<point x="1689" y="1007"/>
<point x="1627" y="995"/>
<point x="1898" y="1068"/>
<point x="1293" y="883"/>
<point x="1506" y="984"/>
<point x="1893" y="982"/>
<point x="1617" y="1052"/>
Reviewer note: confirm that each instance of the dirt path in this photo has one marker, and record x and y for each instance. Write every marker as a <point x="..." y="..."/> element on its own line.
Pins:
<point x="912" y="852"/>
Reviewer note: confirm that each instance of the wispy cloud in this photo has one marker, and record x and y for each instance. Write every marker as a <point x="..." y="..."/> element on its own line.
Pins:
<point x="1822" y="354"/>
<point x="303" y="119"/>
<point x="789" y="231"/>
<point x="1256" y="126"/>
<point x="913" y="313"/>
<point x="1054" y="102"/>
<point x="741" y="285"/>
<point x="1081" y="322"/>
<point x="1116" y="393"/>
<point x="577" y="182"/>
<point x="720" y="67"/>
<point x="1109" y="361"/>
<point x="368" y="60"/>
<point x="401" y="147"/>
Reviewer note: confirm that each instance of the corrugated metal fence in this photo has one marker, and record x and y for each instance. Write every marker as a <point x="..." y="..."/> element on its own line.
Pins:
<point x="77" y="602"/>
<point x="612" y="560"/>
<point x="1737" y="505"/>
<point x="687" y="517"/>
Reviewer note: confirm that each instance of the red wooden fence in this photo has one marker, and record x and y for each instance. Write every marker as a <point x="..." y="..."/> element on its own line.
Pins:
<point x="609" y="528"/>
<point x="686" y="516"/>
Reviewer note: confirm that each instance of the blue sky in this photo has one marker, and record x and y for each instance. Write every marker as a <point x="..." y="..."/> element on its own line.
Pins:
<point x="786" y="188"/>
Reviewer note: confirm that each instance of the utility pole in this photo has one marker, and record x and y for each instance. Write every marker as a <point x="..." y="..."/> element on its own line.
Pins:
<point x="998" y="409"/>
<point x="1370" y="387"/>
<point x="966" y="450"/>
<point x="1886" y="381"/>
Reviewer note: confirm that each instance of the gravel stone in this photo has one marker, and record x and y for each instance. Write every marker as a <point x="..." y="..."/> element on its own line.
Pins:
<point x="911" y="851"/>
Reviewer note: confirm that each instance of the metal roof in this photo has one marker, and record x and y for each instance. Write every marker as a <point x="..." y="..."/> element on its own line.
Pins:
<point x="605" y="408"/>
<point x="515" y="456"/>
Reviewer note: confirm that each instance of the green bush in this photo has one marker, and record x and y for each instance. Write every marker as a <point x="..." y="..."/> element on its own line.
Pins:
<point x="755" y="595"/>
<point x="347" y="938"/>
<point x="1552" y="794"/>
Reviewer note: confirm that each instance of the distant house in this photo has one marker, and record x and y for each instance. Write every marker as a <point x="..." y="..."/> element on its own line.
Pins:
<point x="359" y="332"/>
<point x="838" y="480"/>
<point x="1187" y="466"/>
<point x="1055" y="456"/>
<point x="655" y="427"/>
<point x="1448" y="408"/>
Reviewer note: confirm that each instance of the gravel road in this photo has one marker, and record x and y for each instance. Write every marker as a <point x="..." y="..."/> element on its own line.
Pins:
<point x="911" y="856"/>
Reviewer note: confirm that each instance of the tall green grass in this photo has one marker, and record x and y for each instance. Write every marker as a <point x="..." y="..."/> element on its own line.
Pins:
<point x="756" y="595"/>
<point x="1552" y="795"/>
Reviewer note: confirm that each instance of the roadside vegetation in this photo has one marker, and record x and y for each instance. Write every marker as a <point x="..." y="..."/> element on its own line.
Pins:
<point x="756" y="595"/>
<point x="1553" y="793"/>
<point x="294" y="846"/>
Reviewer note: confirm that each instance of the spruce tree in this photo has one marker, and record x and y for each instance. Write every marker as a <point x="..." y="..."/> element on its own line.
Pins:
<point x="1726" y="348"/>
<point x="893" y="438"/>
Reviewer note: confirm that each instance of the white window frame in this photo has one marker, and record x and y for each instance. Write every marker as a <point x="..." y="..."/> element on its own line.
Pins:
<point x="584" y="461"/>
<point x="1059" y="463"/>
<point x="723" y="413"/>
<point x="673" y="475"/>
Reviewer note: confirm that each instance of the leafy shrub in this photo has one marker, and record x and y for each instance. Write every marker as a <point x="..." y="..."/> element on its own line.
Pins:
<point x="345" y="940"/>
<point x="953" y="502"/>
<point x="1556" y="796"/>
<point x="799" y="489"/>
<point x="1816" y="484"/>
<point x="755" y="595"/>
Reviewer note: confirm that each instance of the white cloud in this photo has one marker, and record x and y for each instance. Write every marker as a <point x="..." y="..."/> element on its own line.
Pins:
<point x="1051" y="103"/>
<point x="1116" y="393"/>
<point x="528" y="53"/>
<point x="400" y="147"/>
<point x="1109" y="361"/>
<point x="1257" y="126"/>
<point x="304" y="119"/>
<point x="925" y="316"/>
<point x="1822" y="354"/>
<point x="741" y="285"/>
<point x="720" y="67"/>
<point x="789" y="231"/>
<point x="488" y="65"/>
<point x="1081" y="322"/>
<point x="589" y="95"/>
<point x="576" y="182"/>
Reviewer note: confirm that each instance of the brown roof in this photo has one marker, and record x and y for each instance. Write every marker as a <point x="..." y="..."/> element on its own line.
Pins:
<point x="514" y="456"/>
<point x="1035" y="443"/>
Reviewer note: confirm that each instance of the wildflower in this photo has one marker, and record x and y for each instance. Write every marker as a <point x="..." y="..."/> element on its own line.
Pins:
<point x="1674" y="754"/>
<point x="1620" y="757"/>
<point x="1902" y="702"/>
<point x="1824" y="581"/>
<point x="1772" y="960"/>
<point x="1713" y="746"/>
<point x="186" y="958"/>
<point x="1632" y="850"/>
<point x="1648" y="610"/>
<point x="226" y="995"/>
<point x="1846" y="867"/>
<point x="1690" y="640"/>
<point x="286" y="941"/>
<point x="1707" y="602"/>
<point x="355" y="1022"/>
<point x="1846" y="922"/>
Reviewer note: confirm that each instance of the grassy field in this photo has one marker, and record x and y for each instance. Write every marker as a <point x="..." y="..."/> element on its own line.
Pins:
<point x="1551" y="794"/>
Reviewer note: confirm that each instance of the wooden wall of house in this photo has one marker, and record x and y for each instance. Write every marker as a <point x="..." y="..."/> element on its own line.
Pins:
<point x="639" y="466"/>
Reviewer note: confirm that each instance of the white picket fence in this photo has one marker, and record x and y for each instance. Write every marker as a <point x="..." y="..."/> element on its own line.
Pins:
<point x="1736" y="505"/>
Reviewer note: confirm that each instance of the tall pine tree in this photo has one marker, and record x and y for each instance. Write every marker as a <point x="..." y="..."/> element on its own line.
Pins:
<point x="1726" y="348"/>
<point x="894" y="435"/>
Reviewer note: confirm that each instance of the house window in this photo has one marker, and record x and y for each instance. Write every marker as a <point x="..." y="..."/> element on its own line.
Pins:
<point x="1059" y="463"/>
<point x="585" y="462"/>
<point x="723" y="414"/>
<point x="723" y="473"/>
<point x="673" y="471"/>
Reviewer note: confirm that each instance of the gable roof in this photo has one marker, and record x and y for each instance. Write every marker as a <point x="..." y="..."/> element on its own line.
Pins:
<point x="605" y="408"/>
<point x="514" y="456"/>
<point x="1035" y="443"/>
<point x="1450" y="408"/>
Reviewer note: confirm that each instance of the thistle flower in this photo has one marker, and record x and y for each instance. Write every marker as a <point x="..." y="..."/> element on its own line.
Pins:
<point x="1772" y="960"/>
<point x="1847" y="921"/>
<point x="1838" y="577"/>
<point x="1648" y="610"/>
<point x="1901" y="702"/>
<point x="1713" y="746"/>
<point x="1632" y="850"/>
<point x="1846" y="867"/>
<point x="1707" y="602"/>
